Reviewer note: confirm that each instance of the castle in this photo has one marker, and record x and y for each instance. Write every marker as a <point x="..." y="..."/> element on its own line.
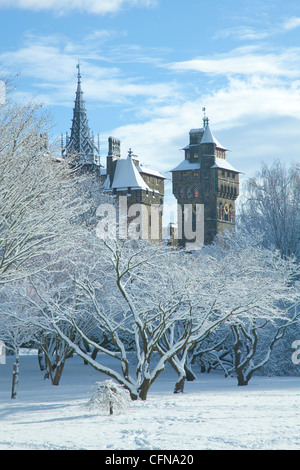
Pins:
<point x="205" y="184"/>
<point x="205" y="178"/>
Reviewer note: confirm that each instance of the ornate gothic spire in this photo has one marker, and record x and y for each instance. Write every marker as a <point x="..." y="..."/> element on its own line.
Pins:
<point x="80" y="143"/>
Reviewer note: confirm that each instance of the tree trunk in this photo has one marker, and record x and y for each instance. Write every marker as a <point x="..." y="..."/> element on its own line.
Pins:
<point x="94" y="354"/>
<point x="144" y="388"/>
<point x="241" y="378"/>
<point x="190" y="376"/>
<point x="15" y="378"/>
<point x="58" y="373"/>
<point x="41" y="360"/>
<point x="179" y="386"/>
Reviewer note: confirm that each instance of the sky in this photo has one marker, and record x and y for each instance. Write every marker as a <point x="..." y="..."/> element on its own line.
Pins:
<point x="149" y="67"/>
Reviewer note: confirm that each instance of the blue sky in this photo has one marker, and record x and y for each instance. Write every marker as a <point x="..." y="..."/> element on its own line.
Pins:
<point x="150" y="66"/>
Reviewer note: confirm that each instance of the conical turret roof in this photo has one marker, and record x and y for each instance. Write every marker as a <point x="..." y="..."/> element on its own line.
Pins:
<point x="208" y="138"/>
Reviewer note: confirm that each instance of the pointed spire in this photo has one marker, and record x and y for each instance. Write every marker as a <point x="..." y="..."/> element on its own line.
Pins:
<point x="78" y="73"/>
<point x="80" y="142"/>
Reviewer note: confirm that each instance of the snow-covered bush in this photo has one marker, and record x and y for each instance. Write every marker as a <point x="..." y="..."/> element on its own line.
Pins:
<point x="110" y="397"/>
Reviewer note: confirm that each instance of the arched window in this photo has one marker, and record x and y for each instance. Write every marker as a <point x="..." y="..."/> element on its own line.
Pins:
<point x="226" y="212"/>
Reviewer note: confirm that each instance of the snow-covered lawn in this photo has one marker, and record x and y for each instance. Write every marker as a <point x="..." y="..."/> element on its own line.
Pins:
<point x="213" y="413"/>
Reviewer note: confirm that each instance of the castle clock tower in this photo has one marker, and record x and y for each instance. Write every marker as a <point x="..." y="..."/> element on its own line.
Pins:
<point x="205" y="177"/>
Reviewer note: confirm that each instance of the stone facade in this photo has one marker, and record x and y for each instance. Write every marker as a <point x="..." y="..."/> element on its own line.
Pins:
<point x="142" y="187"/>
<point x="205" y="178"/>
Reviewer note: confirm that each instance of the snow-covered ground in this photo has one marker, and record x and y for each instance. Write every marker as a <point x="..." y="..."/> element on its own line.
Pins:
<point x="213" y="413"/>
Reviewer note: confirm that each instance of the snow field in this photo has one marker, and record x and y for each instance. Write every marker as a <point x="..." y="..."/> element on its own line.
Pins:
<point x="213" y="413"/>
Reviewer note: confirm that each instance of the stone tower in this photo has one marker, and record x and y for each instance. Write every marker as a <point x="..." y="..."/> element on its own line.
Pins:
<point x="205" y="178"/>
<point x="80" y="144"/>
<point x="141" y="187"/>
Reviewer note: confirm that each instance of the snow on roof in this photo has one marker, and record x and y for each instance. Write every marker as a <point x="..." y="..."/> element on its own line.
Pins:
<point x="106" y="184"/>
<point x="148" y="171"/>
<point x="221" y="163"/>
<point x="208" y="138"/>
<point x="127" y="176"/>
<point x="185" y="165"/>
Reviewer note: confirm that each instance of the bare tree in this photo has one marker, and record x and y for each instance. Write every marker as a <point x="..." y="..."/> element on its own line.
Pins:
<point x="253" y="345"/>
<point x="15" y="332"/>
<point x="234" y="281"/>
<point x="40" y="200"/>
<point x="272" y="207"/>
<point x="154" y="305"/>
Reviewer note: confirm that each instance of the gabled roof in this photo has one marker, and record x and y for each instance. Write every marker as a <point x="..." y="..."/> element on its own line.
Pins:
<point x="127" y="176"/>
<point x="149" y="171"/>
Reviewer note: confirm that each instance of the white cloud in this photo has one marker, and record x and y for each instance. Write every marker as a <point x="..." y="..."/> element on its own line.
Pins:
<point x="242" y="33"/>
<point x="250" y="85"/>
<point x="252" y="107"/>
<point x="248" y="33"/>
<point x="245" y="61"/>
<point x="291" y="23"/>
<point x="63" y="6"/>
<point x="50" y="63"/>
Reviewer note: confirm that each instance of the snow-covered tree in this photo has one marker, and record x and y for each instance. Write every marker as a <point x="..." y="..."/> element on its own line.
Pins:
<point x="254" y="341"/>
<point x="15" y="332"/>
<point x="272" y="291"/>
<point x="162" y="302"/>
<point x="271" y="205"/>
<point x="236" y="282"/>
<point x="40" y="199"/>
<point x="112" y="294"/>
<point x="109" y="397"/>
